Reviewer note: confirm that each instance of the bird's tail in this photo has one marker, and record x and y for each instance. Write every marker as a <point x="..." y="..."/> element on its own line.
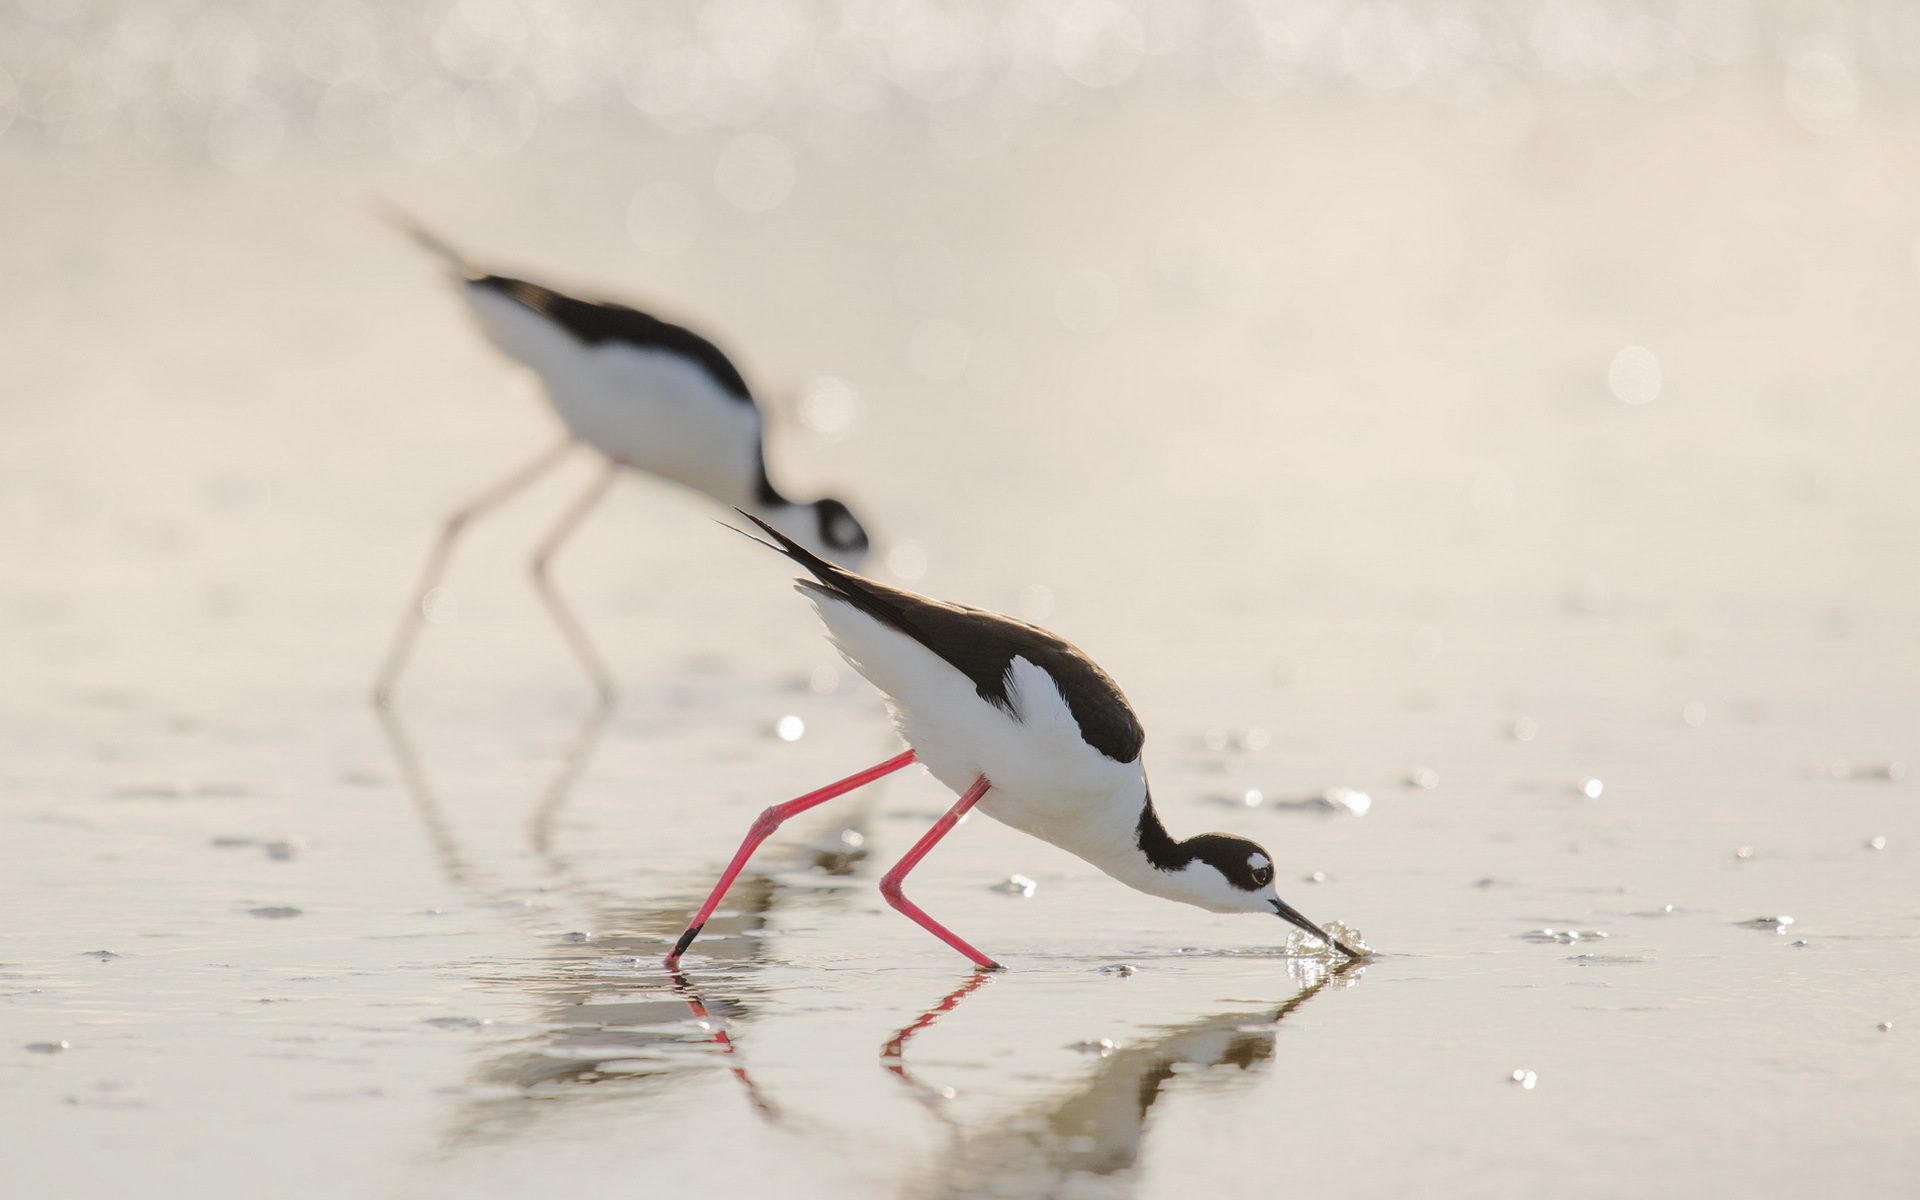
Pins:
<point x="886" y="604"/>
<point x="427" y="240"/>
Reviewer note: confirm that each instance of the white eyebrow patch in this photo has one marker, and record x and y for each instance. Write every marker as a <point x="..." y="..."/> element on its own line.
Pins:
<point x="1256" y="861"/>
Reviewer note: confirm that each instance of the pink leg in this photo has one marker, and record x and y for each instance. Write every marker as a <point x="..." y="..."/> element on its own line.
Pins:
<point x="890" y="886"/>
<point x="562" y="615"/>
<point x="436" y="566"/>
<point x="763" y="827"/>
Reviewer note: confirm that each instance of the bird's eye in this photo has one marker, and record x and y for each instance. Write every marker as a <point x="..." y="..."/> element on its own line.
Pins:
<point x="1262" y="876"/>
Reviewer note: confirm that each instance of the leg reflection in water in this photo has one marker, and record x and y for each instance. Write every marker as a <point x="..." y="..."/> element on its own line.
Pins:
<point x="1087" y="1141"/>
<point x="610" y="1027"/>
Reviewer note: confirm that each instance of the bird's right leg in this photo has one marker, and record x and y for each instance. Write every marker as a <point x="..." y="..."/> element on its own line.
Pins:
<point x="891" y="885"/>
<point x="450" y="532"/>
<point x="763" y="827"/>
<point x="570" y="627"/>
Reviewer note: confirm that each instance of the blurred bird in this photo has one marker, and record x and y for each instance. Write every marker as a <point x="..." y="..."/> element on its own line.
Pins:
<point x="642" y="393"/>
<point x="1026" y="727"/>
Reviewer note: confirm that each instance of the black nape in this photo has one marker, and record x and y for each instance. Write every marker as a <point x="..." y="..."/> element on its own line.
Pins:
<point x="1244" y="864"/>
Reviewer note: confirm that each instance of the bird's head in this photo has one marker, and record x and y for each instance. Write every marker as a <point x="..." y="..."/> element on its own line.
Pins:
<point x="842" y="538"/>
<point x="1234" y="874"/>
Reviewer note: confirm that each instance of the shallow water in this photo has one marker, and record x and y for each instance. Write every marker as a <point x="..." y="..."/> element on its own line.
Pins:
<point x="1375" y="521"/>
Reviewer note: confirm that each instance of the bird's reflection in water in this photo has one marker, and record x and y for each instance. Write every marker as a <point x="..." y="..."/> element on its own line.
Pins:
<point x="1086" y="1142"/>
<point x="607" y="1024"/>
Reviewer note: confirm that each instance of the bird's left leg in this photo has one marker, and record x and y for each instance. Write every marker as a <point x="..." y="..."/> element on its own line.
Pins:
<point x="562" y="615"/>
<point x="890" y="886"/>
<point x="762" y="829"/>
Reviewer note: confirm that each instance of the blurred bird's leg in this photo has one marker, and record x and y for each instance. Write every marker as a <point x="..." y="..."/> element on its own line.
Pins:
<point x="562" y="615"/>
<point x="763" y="827"/>
<point x="437" y="559"/>
<point x="891" y="885"/>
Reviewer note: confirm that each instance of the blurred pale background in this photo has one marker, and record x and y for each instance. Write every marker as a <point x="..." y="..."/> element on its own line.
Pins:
<point x="1478" y="405"/>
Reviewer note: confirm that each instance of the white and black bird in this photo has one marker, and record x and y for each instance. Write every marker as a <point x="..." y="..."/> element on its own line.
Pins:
<point x="642" y="393"/>
<point x="1028" y="728"/>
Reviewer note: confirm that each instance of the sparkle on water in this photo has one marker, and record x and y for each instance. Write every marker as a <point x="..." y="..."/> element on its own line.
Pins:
<point x="1161" y="390"/>
<point x="1016" y="885"/>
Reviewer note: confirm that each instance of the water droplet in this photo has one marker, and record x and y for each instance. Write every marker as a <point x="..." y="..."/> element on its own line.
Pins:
<point x="1694" y="714"/>
<point x="789" y="728"/>
<point x="1425" y="778"/>
<point x="1102" y="1047"/>
<point x="439" y="606"/>
<point x="1822" y="92"/>
<point x="1876" y="843"/>
<point x="1885" y="1027"/>
<point x="1523" y="729"/>
<point x="1098" y="43"/>
<point x="1119" y="970"/>
<point x="1347" y="799"/>
<point x="829" y="406"/>
<point x="1525" y="1079"/>
<point x="1744" y="852"/>
<point x="1317" y="877"/>
<point x="1634" y="375"/>
<point x="1253" y="741"/>
<point x="1016" y="885"/>
<point x="1591" y="788"/>
<point x="47" y="1047"/>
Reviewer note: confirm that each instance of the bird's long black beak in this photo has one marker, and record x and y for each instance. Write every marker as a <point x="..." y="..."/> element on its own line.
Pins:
<point x="1288" y="913"/>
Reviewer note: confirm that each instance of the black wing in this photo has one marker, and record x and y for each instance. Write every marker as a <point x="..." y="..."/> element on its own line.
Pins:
<point x="982" y="646"/>
<point x="593" y="322"/>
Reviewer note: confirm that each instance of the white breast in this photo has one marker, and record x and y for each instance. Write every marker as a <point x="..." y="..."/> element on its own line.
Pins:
<point x="1047" y="781"/>
<point x="649" y="409"/>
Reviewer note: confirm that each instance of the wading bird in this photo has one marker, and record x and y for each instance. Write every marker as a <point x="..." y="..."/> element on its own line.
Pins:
<point x="640" y="392"/>
<point x="1026" y="727"/>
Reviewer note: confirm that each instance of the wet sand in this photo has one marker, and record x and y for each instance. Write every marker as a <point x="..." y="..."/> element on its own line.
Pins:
<point x="1328" y="473"/>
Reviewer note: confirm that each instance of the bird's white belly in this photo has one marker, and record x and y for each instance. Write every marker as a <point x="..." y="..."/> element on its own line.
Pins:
<point x="1046" y="780"/>
<point x="648" y="409"/>
<point x="663" y="414"/>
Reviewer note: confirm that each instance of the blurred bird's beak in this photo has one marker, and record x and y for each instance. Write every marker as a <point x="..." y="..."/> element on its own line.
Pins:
<point x="1287" y="912"/>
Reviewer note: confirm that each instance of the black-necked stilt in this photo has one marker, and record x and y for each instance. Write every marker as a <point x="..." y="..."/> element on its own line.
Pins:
<point x="1023" y="725"/>
<point x="645" y="394"/>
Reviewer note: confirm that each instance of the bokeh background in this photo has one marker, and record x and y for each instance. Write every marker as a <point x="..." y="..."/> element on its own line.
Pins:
<point x="1478" y="436"/>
